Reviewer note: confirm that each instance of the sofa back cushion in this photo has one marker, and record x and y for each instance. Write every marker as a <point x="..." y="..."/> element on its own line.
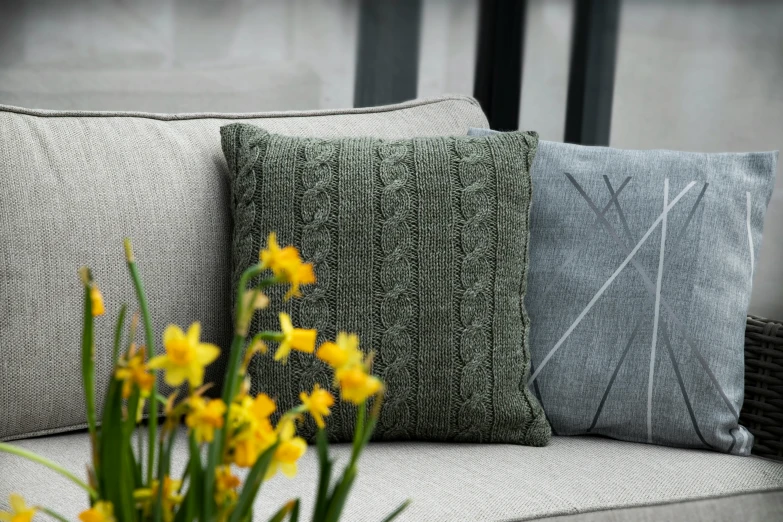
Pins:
<point x="74" y="184"/>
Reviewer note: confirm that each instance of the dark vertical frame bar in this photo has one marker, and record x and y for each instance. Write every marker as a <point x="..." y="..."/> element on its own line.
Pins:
<point x="592" y="71"/>
<point x="387" y="58"/>
<point x="498" y="80"/>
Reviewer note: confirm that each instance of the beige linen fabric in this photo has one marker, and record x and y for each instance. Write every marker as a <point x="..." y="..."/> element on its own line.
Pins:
<point x="74" y="184"/>
<point x="459" y="482"/>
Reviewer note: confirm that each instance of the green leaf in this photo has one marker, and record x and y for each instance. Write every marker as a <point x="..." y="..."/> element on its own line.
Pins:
<point x="340" y="494"/>
<point x="285" y="510"/>
<point x="252" y="484"/>
<point x="29" y="455"/>
<point x="294" y="512"/>
<point x="149" y="338"/>
<point x="195" y="472"/>
<point x="324" y="475"/>
<point x="118" y="334"/>
<point x="111" y="444"/>
<point x="394" y="514"/>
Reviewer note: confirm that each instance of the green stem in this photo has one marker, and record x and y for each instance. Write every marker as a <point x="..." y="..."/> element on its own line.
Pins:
<point x="52" y="513"/>
<point x="150" y="340"/>
<point x="229" y="387"/>
<point x="29" y="455"/>
<point x="358" y="435"/>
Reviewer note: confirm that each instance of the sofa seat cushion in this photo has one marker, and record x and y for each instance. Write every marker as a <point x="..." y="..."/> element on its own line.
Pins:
<point x="458" y="481"/>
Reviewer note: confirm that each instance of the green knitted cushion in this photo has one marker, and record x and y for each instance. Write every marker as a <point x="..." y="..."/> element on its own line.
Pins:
<point x="420" y="247"/>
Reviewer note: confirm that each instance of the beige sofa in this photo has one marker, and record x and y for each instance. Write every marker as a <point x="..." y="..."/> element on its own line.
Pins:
<point x="574" y="478"/>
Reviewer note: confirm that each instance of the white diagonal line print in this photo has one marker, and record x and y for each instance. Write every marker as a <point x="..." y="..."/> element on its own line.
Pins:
<point x="656" y="313"/>
<point x="609" y="281"/>
<point x="650" y="286"/>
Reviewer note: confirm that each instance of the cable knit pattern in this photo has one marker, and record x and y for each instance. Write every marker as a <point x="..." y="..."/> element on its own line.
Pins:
<point x="474" y="307"/>
<point x="242" y="191"/>
<point x="315" y="244"/>
<point x="420" y="247"/>
<point x="394" y="279"/>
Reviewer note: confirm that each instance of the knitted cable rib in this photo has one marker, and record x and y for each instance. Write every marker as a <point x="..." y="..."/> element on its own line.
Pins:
<point x="316" y="244"/>
<point x="474" y="306"/>
<point x="394" y="281"/>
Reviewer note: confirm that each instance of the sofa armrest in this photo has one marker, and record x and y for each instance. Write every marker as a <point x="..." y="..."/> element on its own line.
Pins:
<point x="762" y="412"/>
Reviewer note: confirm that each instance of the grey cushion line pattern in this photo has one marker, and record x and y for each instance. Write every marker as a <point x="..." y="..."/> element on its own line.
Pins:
<point x="446" y="481"/>
<point x="640" y="277"/>
<point x="749" y="507"/>
<point x="405" y="237"/>
<point x="49" y="113"/>
<point x="74" y="184"/>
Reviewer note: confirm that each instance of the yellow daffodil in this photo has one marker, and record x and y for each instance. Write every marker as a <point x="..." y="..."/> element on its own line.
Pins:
<point x="100" y="512"/>
<point x="299" y="274"/>
<point x="97" y="301"/>
<point x="341" y="353"/>
<point x="185" y="356"/>
<point x="294" y="338"/>
<point x="356" y="385"/>
<point x="226" y="484"/>
<point x="288" y="452"/>
<point x="170" y="495"/>
<point x="134" y="371"/>
<point x="204" y="417"/>
<point x="255" y="300"/>
<point x="317" y="404"/>
<point x="286" y="265"/>
<point x="251" y="430"/>
<point x="20" y="511"/>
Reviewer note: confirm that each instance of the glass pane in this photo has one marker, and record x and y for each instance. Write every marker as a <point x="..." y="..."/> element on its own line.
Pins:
<point x="449" y="35"/>
<point x="178" y="55"/>
<point x="545" y="67"/>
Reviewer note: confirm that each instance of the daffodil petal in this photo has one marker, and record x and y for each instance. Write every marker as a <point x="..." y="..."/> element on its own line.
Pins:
<point x="194" y="332"/>
<point x="206" y="353"/>
<point x="172" y="333"/>
<point x="288" y="469"/>
<point x="176" y="375"/>
<point x="17" y="502"/>
<point x="282" y="352"/>
<point x="157" y="362"/>
<point x="6" y="516"/>
<point x="285" y="322"/>
<point x="195" y="375"/>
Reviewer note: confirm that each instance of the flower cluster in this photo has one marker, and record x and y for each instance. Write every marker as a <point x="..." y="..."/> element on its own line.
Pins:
<point x="234" y="430"/>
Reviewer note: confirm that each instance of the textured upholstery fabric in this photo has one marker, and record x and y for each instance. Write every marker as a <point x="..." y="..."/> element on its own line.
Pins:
<point x="73" y="184"/>
<point x="641" y="271"/>
<point x="458" y="482"/>
<point x="419" y="247"/>
<point x="748" y="507"/>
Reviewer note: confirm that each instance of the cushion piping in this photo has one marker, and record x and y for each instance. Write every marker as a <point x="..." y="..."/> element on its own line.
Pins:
<point x="47" y="113"/>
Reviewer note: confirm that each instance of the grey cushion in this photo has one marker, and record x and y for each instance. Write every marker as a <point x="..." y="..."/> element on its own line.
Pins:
<point x="446" y="481"/>
<point x="748" y="507"/>
<point x="638" y="315"/>
<point x="73" y="184"/>
<point x="420" y="247"/>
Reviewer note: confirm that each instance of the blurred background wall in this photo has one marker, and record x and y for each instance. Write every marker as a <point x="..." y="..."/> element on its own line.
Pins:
<point x="701" y="75"/>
